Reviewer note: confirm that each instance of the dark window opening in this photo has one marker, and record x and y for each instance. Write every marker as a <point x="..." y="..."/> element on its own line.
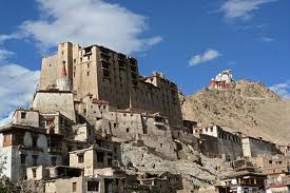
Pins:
<point x="19" y="139"/>
<point x="81" y="158"/>
<point x="160" y="119"/>
<point x="23" y="115"/>
<point x="88" y="50"/>
<point x="105" y="64"/>
<point x="100" y="157"/>
<point x="110" y="162"/>
<point x="34" y="160"/>
<point x="134" y="76"/>
<point x="127" y="130"/>
<point x="69" y="148"/>
<point x="74" y="186"/>
<point x="106" y="73"/>
<point x="121" y="66"/>
<point x="134" y="68"/>
<point x="22" y="159"/>
<point x="34" y="173"/>
<point x="93" y="186"/>
<point x="34" y="141"/>
<point x="53" y="161"/>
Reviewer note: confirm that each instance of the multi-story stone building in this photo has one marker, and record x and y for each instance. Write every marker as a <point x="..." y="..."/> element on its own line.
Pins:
<point x="24" y="144"/>
<point x="217" y="142"/>
<point x="252" y="147"/>
<point x="109" y="76"/>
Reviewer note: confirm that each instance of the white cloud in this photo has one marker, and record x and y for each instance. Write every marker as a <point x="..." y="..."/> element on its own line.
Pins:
<point x="4" y="54"/>
<point x="5" y="37"/>
<point x="17" y="87"/>
<point x="282" y="89"/>
<point x="7" y="119"/>
<point x="88" y="22"/>
<point x="242" y="9"/>
<point x="207" y="56"/>
<point x="267" y="39"/>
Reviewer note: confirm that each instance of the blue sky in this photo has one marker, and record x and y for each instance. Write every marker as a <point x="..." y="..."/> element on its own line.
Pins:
<point x="190" y="41"/>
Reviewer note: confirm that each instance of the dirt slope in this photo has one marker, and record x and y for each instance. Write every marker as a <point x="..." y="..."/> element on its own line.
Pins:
<point x="249" y="107"/>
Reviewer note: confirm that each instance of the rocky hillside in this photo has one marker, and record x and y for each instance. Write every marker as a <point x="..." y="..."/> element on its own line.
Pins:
<point x="249" y="107"/>
<point x="195" y="169"/>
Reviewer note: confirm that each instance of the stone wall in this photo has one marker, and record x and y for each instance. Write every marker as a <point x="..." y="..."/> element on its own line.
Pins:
<point x="52" y="102"/>
<point x="26" y="118"/>
<point x="253" y="147"/>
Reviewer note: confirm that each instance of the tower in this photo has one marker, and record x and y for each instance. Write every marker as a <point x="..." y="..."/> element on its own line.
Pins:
<point x="63" y="83"/>
<point x="64" y="66"/>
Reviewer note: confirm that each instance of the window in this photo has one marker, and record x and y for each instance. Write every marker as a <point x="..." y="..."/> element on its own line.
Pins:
<point x="88" y="73"/>
<point x="53" y="161"/>
<point x="34" y="160"/>
<point x="22" y="159"/>
<point x="81" y="158"/>
<point x="127" y="130"/>
<point x="63" y="62"/>
<point x="34" y="173"/>
<point x="106" y="73"/>
<point x="270" y="161"/>
<point x="105" y="64"/>
<point x="110" y="162"/>
<point x="34" y="141"/>
<point x="100" y="157"/>
<point x="93" y="186"/>
<point x="23" y="115"/>
<point x="74" y="186"/>
<point x="69" y="148"/>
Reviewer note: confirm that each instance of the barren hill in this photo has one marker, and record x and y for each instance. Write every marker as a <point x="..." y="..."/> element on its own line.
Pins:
<point x="249" y="107"/>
